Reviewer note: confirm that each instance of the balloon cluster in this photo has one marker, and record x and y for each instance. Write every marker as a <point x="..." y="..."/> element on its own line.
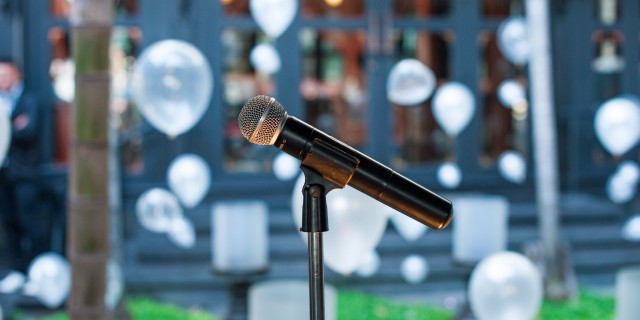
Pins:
<point x="171" y="85"/>
<point x="48" y="280"/>
<point x="273" y="17"/>
<point x="158" y="210"/>
<point x="622" y="185"/>
<point x="411" y="83"/>
<point x="617" y="127"/>
<point x="358" y="223"/>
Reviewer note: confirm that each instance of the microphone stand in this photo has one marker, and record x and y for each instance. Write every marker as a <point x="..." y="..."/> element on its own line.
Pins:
<point x="314" y="223"/>
<point x="325" y="168"/>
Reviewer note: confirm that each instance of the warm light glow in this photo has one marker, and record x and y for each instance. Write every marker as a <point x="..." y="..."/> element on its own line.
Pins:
<point x="226" y="2"/>
<point x="334" y="3"/>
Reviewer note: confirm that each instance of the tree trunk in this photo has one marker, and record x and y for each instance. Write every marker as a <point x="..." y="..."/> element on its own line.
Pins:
<point x="557" y="271"/>
<point x="88" y="217"/>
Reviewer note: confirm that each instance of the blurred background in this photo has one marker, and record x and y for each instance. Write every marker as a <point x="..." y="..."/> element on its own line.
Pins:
<point x="439" y="90"/>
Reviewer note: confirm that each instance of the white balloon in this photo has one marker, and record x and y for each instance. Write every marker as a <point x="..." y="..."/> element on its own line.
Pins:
<point x="513" y="40"/>
<point x="453" y="107"/>
<point x="273" y="16"/>
<point x="617" y="124"/>
<point x="50" y="279"/>
<point x="410" y="82"/>
<point x="629" y="171"/>
<point x="356" y="225"/>
<point x="512" y="167"/>
<point x="5" y="134"/>
<point x="115" y="285"/>
<point x="12" y="282"/>
<point x="505" y="286"/>
<point x="182" y="233"/>
<point x="64" y="83"/>
<point x="265" y="59"/>
<point x="449" y="175"/>
<point x="619" y="189"/>
<point x="171" y="85"/>
<point x="409" y="229"/>
<point x="631" y="229"/>
<point x="511" y="93"/>
<point x="286" y="167"/>
<point x="369" y="265"/>
<point x="157" y="209"/>
<point x="189" y="177"/>
<point x="414" y="269"/>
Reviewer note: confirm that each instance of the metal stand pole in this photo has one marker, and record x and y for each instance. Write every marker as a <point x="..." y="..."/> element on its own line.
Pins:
<point x="315" y="222"/>
<point x="316" y="276"/>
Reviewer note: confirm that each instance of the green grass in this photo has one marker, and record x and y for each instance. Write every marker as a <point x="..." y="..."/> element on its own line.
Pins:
<point x="586" y="307"/>
<point x="356" y="306"/>
<point x="148" y="309"/>
<point x="351" y="305"/>
<point x="360" y="306"/>
<point x="144" y="308"/>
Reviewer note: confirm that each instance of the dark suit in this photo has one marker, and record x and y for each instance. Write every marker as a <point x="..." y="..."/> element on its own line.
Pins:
<point x="19" y="187"/>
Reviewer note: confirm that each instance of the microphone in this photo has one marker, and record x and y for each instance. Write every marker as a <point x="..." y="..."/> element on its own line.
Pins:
<point x="264" y="121"/>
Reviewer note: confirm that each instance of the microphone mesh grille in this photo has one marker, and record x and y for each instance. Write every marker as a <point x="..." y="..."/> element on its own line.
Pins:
<point x="260" y="119"/>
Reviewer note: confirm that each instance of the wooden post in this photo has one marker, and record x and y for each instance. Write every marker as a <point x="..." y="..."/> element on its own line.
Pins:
<point x="88" y="216"/>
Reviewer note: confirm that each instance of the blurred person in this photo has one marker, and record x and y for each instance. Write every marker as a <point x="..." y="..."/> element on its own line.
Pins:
<point x="19" y="189"/>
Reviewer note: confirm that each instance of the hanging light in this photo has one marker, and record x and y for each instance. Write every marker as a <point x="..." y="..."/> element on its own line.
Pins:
<point x="333" y="3"/>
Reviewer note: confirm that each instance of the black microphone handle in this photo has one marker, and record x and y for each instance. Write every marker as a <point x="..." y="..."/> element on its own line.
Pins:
<point x="371" y="177"/>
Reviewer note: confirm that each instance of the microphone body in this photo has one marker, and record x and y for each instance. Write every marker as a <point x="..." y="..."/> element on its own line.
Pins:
<point x="370" y="177"/>
<point x="264" y="121"/>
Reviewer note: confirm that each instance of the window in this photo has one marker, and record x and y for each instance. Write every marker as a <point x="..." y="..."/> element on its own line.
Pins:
<point x="334" y="83"/>
<point x="504" y="127"/>
<point x="241" y="82"/>
<point x="417" y="138"/>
